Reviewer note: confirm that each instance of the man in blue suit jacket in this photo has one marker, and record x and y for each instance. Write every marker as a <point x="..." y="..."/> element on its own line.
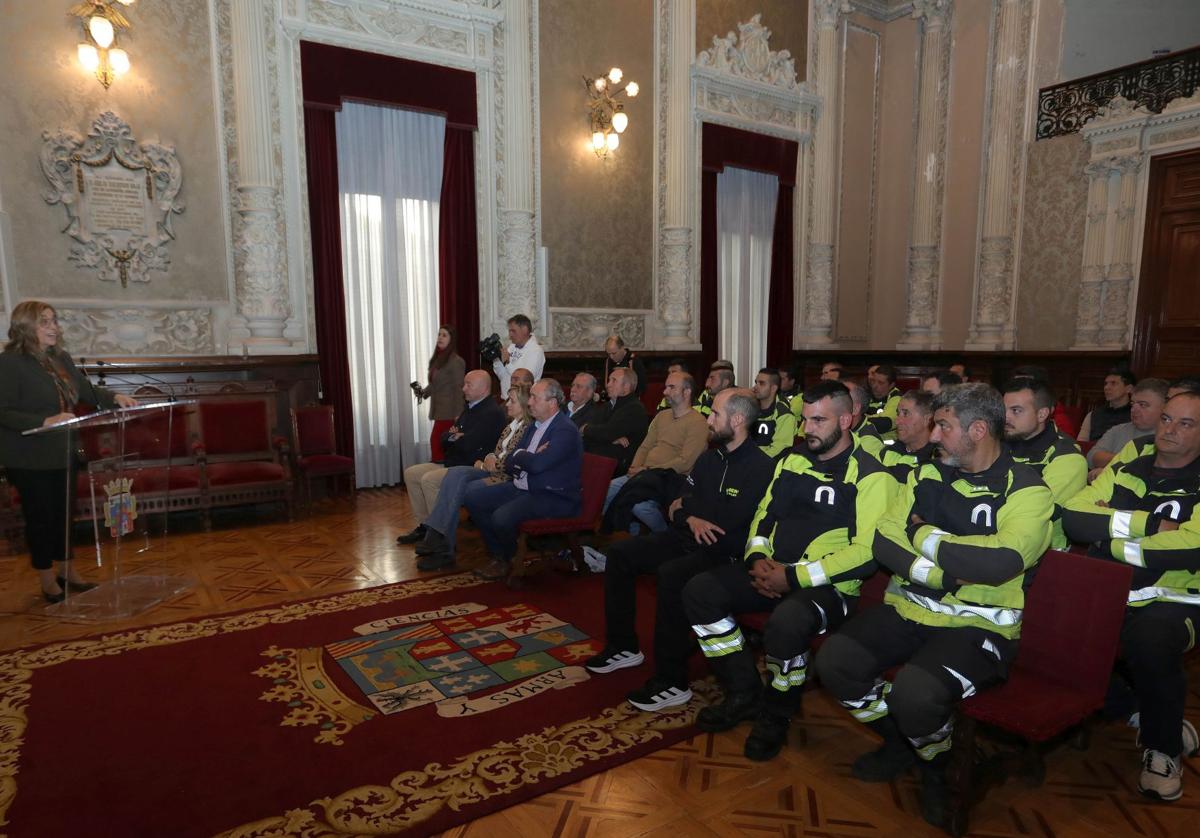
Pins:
<point x="547" y="470"/>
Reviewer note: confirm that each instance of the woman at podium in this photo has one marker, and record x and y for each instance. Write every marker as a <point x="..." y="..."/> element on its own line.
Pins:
<point x="40" y="385"/>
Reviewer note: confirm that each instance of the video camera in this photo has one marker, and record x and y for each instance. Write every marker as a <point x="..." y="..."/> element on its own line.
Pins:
<point x="417" y="391"/>
<point x="489" y="348"/>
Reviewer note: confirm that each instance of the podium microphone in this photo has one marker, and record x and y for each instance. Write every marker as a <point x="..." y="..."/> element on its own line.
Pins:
<point x="165" y="386"/>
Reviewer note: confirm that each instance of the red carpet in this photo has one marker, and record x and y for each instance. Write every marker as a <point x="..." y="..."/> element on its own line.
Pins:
<point x="247" y="725"/>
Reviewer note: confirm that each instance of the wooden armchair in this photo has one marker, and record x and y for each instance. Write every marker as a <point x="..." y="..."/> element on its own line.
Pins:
<point x="239" y="461"/>
<point x="315" y="451"/>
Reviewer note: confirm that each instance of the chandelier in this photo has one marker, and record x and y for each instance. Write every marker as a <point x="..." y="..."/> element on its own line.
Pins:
<point x="606" y="114"/>
<point x="101" y="21"/>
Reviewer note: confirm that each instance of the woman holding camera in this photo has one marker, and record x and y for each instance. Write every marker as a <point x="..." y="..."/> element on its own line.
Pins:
<point x="444" y="391"/>
<point x="40" y="385"/>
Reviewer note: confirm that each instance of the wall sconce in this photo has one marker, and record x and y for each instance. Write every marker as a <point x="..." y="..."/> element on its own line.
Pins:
<point x="606" y="115"/>
<point x="101" y="20"/>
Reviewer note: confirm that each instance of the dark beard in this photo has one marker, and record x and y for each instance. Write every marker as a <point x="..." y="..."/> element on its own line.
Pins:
<point x="720" y="437"/>
<point x="828" y="443"/>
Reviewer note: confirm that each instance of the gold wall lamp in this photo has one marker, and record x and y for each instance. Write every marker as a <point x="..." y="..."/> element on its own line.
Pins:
<point x="606" y="115"/>
<point x="101" y="21"/>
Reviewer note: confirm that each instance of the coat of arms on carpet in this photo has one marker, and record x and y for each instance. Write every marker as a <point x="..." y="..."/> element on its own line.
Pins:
<point x="466" y="658"/>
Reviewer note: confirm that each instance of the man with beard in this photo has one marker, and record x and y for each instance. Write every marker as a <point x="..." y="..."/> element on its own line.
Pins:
<point x="911" y="447"/>
<point x="1147" y="514"/>
<point x="709" y="521"/>
<point x="1035" y="441"/>
<point x="809" y="550"/>
<point x="959" y="540"/>
<point x="775" y="427"/>
<point x="720" y="377"/>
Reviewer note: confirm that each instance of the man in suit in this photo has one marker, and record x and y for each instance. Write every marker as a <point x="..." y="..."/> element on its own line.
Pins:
<point x="619" y="431"/>
<point x="547" y="470"/>
<point x="472" y="437"/>
<point x="583" y="407"/>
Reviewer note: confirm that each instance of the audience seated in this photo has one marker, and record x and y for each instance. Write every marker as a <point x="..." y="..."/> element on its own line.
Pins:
<point x="831" y="371"/>
<point x="1145" y="514"/>
<point x="789" y="383"/>
<point x="1145" y="408"/>
<point x="959" y="541"/>
<point x="912" y="446"/>
<point x="720" y="377"/>
<point x="885" y="398"/>
<point x="1034" y="441"/>
<point x="808" y="552"/>
<point x="620" y="427"/>
<point x="1145" y="444"/>
<point x="1118" y="388"/>
<point x="436" y="549"/>
<point x="470" y="438"/>
<point x="583" y="406"/>
<point x="775" y="427"/>
<point x="673" y="441"/>
<point x="868" y="436"/>
<point x="709" y="524"/>
<point x="939" y="380"/>
<point x="618" y="356"/>
<point x="547" y="471"/>
<point x="524" y="352"/>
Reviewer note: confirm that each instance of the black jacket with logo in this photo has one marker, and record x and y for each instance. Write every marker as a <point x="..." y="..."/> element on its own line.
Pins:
<point x="725" y="488"/>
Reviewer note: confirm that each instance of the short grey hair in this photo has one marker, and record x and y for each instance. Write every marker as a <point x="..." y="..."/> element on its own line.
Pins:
<point x="972" y="403"/>
<point x="1159" y="386"/>
<point x="628" y="373"/>
<point x="554" y="390"/>
<point x="591" y="379"/>
<point x="741" y="403"/>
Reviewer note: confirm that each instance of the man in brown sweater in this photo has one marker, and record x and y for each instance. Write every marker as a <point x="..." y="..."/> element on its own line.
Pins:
<point x="673" y="441"/>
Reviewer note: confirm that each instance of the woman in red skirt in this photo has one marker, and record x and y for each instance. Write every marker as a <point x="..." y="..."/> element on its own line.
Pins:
<point x="444" y="391"/>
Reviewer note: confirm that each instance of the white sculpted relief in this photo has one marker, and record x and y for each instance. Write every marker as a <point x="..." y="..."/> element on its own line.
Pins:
<point x="119" y="196"/>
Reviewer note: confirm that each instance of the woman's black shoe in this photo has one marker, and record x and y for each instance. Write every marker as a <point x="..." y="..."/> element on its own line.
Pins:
<point x="74" y="587"/>
<point x="54" y="598"/>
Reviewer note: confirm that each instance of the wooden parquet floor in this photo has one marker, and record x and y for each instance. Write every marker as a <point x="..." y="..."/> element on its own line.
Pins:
<point x="701" y="787"/>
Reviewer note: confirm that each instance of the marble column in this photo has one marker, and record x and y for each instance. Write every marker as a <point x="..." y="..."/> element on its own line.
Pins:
<point x="1091" y="285"/>
<point x="1118" y="278"/>
<point x="518" y="283"/>
<point x="261" y="282"/>
<point x="992" y="326"/>
<point x="677" y="281"/>
<point x="922" y="329"/>
<point x="816" y="326"/>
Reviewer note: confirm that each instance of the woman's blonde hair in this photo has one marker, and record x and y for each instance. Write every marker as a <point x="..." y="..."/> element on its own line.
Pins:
<point x="522" y="394"/>
<point x="22" y="327"/>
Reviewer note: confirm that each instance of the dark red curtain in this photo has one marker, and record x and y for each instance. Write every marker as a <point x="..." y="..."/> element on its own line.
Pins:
<point x="721" y="147"/>
<point x="458" y="246"/>
<point x="331" y="75"/>
<point x="325" y="226"/>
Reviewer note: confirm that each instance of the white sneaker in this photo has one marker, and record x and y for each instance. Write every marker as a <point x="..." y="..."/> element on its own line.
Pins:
<point x="594" y="559"/>
<point x="657" y="694"/>
<point x="1191" y="739"/>
<point x="612" y="659"/>
<point x="1161" y="777"/>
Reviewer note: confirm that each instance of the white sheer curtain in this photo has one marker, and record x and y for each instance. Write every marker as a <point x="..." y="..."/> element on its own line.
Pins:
<point x="390" y="179"/>
<point x="745" y="226"/>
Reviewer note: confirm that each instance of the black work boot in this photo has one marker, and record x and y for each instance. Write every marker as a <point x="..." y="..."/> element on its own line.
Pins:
<point x="743" y="693"/>
<point x="412" y="536"/>
<point x="935" y="794"/>
<point x="889" y="761"/>
<point x="433" y="542"/>
<point x="770" y="732"/>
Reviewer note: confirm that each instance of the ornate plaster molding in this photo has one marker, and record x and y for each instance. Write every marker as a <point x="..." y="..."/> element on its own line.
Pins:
<point x="134" y="331"/>
<point x="586" y="329"/>
<point x="69" y="162"/>
<point x="884" y="10"/>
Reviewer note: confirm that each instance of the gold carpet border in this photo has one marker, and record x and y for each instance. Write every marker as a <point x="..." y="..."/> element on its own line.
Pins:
<point x="16" y="667"/>
<point x="300" y="682"/>
<point x="412" y="797"/>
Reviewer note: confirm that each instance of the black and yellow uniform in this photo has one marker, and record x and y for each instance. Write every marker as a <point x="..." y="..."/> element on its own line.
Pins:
<point x="900" y="461"/>
<point x="1057" y="458"/>
<point x="1164" y="598"/>
<point x="1133" y="449"/>
<point x="704" y="403"/>
<point x="775" y="429"/>
<point x="882" y="412"/>
<point x="869" y="439"/>
<point x="952" y="611"/>
<point x="818" y="518"/>
<point x="797" y="408"/>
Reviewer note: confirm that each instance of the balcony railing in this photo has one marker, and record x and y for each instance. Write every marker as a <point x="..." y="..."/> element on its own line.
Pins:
<point x="1064" y="108"/>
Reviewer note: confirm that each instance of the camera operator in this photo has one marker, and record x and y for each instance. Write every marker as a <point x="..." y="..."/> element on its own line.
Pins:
<point x="524" y="351"/>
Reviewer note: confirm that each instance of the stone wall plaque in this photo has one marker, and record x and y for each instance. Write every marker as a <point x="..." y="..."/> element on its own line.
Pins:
<point x="119" y="196"/>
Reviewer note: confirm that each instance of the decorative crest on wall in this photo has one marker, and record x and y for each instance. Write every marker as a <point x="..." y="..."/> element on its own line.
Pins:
<point x="748" y="55"/>
<point x="119" y="196"/>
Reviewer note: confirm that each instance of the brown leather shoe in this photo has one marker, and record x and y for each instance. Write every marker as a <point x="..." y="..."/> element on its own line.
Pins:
<point x="493" y="571"/>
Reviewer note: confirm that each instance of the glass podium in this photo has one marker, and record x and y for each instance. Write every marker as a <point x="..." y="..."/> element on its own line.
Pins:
<point x="122" y="479"/>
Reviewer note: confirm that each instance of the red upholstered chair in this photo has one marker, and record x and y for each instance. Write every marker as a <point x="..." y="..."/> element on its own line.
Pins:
<point x="905" y="383"/>
<point x="597" y="473"/>
<point x="1086" y="446"/>
<point x="871" y="595"/>
<point x="1069" y="418"/>
<point x="316" y="450"/>
<point x="239" y="461"/>
<point x="652" y="395"/>
<point x="1069" y="636"/>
